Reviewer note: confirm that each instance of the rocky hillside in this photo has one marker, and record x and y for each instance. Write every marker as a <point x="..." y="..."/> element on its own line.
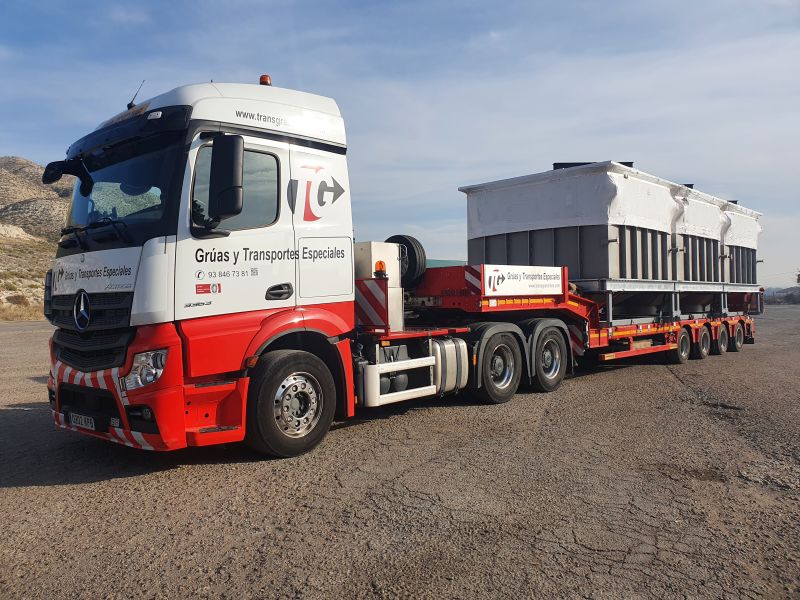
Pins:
<point x="29" y="204"/>
<point x="31" y="217"/>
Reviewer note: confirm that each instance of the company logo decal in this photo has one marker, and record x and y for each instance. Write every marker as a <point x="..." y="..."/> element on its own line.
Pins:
<point x="80" y="275"/>
<point x="496" y="279"/>
<point x="328" y="191"/>
<point x="81" y="313"/>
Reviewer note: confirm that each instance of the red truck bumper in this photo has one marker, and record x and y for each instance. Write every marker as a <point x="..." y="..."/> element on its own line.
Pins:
<point x="182" y="412"/>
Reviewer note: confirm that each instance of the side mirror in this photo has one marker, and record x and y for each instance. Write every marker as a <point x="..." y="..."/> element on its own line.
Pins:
<point x="225" y="193"/>
<point x="53" y="172"/>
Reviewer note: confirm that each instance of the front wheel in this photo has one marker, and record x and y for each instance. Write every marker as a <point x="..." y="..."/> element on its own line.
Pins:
<point x="291" y="403"/>
<point x="501" y="369"/>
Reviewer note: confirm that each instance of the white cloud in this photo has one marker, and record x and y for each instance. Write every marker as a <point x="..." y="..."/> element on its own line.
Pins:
<point x="128" y="15"/>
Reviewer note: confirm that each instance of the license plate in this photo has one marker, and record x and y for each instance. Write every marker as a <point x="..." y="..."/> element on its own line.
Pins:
<point x="81" y="421"/>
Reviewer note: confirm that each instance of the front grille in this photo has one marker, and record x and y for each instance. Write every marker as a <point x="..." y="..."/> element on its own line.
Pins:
<point x="108" y="310"/>
<point x="89" y="402"/>
<point x="93" y="350"/>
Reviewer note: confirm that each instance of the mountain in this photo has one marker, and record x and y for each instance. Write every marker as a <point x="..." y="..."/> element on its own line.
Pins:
<point x="29" y="204"/>
<point x="31" y="217"/>
<point x="29" y="171"/>
<point x="41" y="217"/>
<point x="790" y="295"/>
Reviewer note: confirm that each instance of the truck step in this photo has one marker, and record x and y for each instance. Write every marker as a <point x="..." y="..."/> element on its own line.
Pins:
<point x="405" y="365"/>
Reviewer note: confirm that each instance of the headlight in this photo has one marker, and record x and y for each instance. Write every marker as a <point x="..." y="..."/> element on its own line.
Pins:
<point x="147" y="368"/>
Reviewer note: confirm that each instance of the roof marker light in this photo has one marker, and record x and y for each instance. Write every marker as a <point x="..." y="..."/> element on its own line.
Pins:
<point x="265" y="80"/>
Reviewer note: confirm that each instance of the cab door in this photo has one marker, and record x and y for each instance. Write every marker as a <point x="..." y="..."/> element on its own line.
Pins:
<point x="248" y="262"/>
<point x="323" y="226"/>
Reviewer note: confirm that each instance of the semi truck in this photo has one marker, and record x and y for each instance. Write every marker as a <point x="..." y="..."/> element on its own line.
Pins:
<point x="207" y="287"/>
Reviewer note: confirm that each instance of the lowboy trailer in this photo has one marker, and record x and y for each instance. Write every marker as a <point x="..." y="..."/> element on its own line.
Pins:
<point x="207" y="289"/>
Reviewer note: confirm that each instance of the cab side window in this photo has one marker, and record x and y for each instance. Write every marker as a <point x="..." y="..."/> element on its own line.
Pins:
<point x="260" y="186"/>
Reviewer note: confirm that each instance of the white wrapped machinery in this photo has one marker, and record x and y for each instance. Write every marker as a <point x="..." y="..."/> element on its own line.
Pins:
<point x="616" y="229"/>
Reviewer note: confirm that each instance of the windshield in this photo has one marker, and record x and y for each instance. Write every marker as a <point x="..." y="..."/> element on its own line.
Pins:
<point x="134" y="182"/>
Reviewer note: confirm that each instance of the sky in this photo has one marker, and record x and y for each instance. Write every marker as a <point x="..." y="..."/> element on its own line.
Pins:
<point x="439" y="94"/>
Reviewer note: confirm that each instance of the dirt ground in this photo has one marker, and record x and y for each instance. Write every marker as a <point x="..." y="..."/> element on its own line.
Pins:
<point x="639" y="480"/>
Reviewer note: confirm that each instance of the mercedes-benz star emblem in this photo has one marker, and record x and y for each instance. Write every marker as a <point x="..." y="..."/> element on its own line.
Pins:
<point x="80" y="311"/>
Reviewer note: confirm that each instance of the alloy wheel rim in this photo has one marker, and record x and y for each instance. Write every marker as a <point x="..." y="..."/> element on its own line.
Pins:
<point x="297" y="405"/>
<point x="501" y="366"/>
<point x="685" y="346"/>
<point x="551" y="359"/>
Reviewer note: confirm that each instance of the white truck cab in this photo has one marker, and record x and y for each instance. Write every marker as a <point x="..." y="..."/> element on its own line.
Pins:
<point x="154" y="235"/>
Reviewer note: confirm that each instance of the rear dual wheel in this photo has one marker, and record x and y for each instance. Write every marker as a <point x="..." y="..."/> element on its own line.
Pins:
<point x="550" y="360"/>
<point x="702" y="347"/>
<point x="681" y="353"/>
<point x="501" y="369"/>
<point x="502" y="365"/>
<point x="720" y="345"/>
<point x="736" y="342"/>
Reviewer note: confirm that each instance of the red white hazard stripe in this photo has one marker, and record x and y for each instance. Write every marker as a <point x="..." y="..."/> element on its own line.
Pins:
<point x="472" y="277"/>
<point x="133" y="439"/>
<point x="105" y="379"/>
<point x="372" y="305"/>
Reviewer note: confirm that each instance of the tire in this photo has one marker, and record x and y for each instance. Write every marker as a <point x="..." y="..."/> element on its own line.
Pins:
<point x="413" y="260"/>
<point x="736" y="342"/>
<point x="549" y="360"/>
<point x="680" y="355"/>
<point x="702" y="347"/>
<point x="720" y="345"/>
<point x="501" y="369"/>
<point x="291" y="403"/>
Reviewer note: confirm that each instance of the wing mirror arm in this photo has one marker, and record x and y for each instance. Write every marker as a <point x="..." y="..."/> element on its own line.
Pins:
<point x="54" y="171"/>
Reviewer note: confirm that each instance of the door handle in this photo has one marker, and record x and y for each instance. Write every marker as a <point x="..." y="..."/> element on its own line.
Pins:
<point x="281" y="291"/>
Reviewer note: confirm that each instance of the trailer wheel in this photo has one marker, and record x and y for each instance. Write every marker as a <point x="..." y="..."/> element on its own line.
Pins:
<point x="501" y="369"/>
<point x="413" y="261"/>
<point x="720" y="345"/>
<point x="549" y="360"/>
<point x="681" y="354"/>
<point x="737" y="339"/>
<point x="703" y="346"/>
<point x="291" y="403"/>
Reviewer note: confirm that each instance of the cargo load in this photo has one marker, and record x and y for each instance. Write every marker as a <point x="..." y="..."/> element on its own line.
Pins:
<point x="617" y="229"/>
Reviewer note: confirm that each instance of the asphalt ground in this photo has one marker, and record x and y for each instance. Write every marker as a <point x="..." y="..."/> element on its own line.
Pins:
<point x="635" y="480"/>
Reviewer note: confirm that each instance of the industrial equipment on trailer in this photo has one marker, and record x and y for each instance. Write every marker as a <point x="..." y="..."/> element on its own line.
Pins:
<point x="207" y="289"/>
